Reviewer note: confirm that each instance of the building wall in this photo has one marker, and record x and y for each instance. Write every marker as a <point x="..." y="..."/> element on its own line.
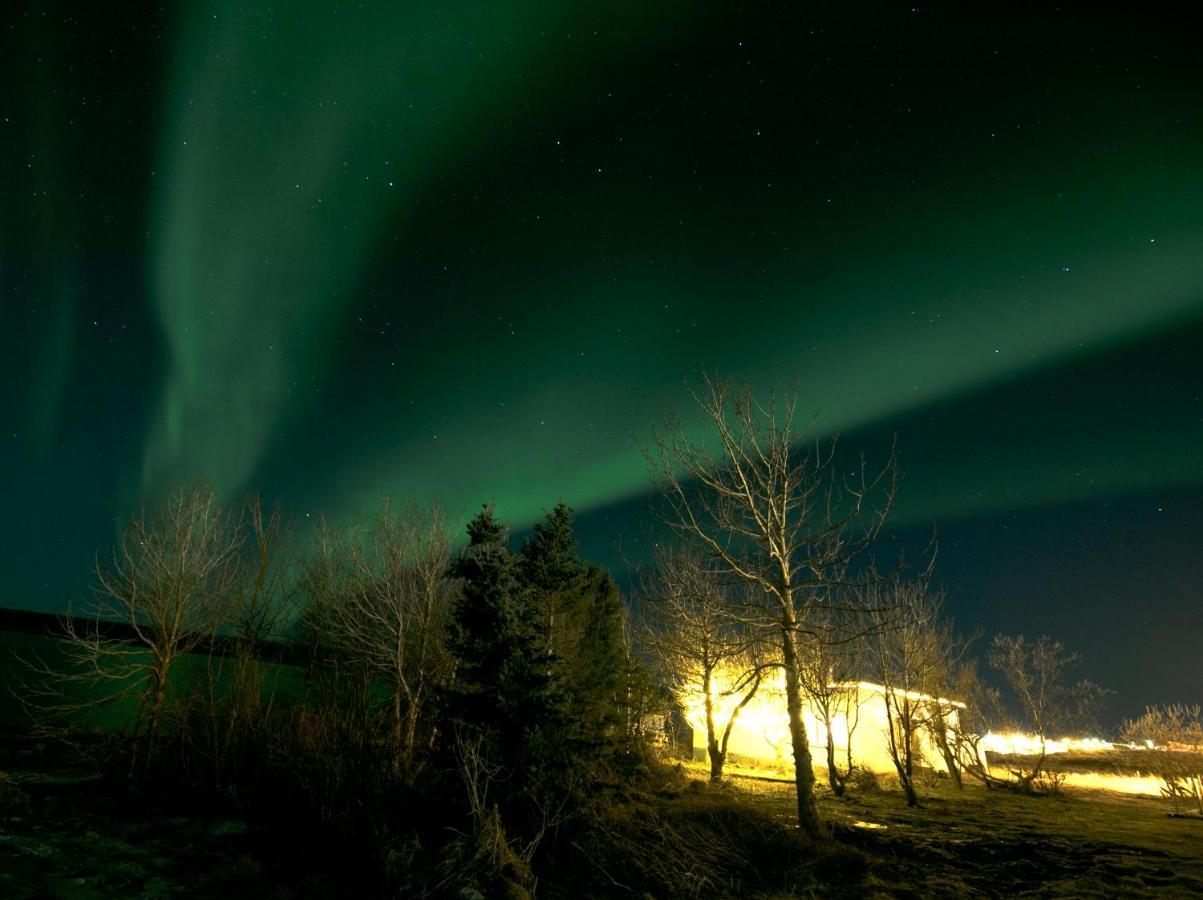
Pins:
<point x="761" y="732"/>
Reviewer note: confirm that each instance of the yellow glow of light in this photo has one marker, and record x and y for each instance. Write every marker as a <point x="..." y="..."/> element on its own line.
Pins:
<point x="1021" y="744"/>
<point x="764" y="715"/>
<point x="1139" y="784"/>
<point x="761" y="728"/>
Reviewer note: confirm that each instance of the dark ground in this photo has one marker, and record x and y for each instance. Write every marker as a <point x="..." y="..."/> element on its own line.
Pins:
<point x="67" y="832"/>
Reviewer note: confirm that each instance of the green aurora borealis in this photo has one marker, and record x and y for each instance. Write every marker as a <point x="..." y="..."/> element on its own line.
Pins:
<point x="471" y="250"/>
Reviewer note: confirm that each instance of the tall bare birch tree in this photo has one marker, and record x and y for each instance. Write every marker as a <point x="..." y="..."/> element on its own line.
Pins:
<point x="772" y="507"/>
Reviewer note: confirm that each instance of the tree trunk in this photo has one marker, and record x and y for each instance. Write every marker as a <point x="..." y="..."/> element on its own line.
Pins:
<point x="804" y="775"/>
<point x="955" y="771"/>
<point x="908" y="781"/>
<point x="853" y="704"/>
<point x="833" y="773"/>
<point x="1027" y="782"/>
<point x="717" y="759"/>
<point x="899" y="733"/>
<point x="906" y="778"/>
<point x="398" y="735"/>
<point x="717" y="756"/>
<point x="908" y="736"/>
<point x="413" y="713"/>
<point x="156" y="709"/>
<point x="152" y="708"/>
<point x="951" y="762"/>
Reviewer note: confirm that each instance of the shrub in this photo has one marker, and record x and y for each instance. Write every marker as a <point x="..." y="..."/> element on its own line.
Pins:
<point x="863" y="780"/>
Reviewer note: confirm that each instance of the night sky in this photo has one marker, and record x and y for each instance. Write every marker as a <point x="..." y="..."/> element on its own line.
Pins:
<point x="320" y="251"/>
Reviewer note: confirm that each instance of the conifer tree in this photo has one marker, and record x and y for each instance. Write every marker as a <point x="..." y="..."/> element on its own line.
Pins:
<point x="503" y="690"/>
<point x="549" y="559"/>
<point x="582" y="615"/>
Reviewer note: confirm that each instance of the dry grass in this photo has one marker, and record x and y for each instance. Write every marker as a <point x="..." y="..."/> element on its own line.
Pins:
<point x="996" y="843"/>
<point x="687" y="838"/>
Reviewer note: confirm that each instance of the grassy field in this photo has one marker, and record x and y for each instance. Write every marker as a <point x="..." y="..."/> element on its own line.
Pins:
<point x="976" y="842"/>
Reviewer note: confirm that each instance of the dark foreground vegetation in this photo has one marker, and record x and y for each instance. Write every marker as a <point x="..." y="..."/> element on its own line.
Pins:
<point x="408" y="707"/>
<point x="68" y="830"/>
<point x="444" y="722"/>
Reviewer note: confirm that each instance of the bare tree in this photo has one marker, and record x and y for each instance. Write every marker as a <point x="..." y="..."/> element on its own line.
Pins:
<point x="378" y="598"/>
<point x="952" y="686"/>
<point x="979" y="710"/>
<point x="776" y="513"/>
<point x="700" y="648"/>
<point x="907" y="659"/>
<point x="260" y="602"/>
<point x="1036" y="674"/>
<point x="162" y="593"/>
<point x="239" y="694"/>
<point x="1173" y="736"/>
<point x="950" y="714"/>
<point x="829" y="675"/>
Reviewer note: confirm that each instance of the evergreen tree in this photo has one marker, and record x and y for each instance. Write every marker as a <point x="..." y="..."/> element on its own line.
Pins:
<point x="549" y="560"/>
<point x="582" y="615"/>
<point x="601" y="660"/>
<point x="490" y="623"/>
<point x="503" y="689"/>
